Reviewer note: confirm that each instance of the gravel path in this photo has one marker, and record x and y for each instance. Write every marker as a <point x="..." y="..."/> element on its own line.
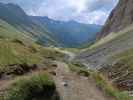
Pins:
<point x="74" y="87"/>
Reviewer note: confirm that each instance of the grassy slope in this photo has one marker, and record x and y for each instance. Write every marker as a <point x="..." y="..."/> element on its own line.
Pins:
<point x="111" y="37"/>
<point x="126" y="56"/>
<point x="7" y="31"/>
<point x="11" y="45"/>
<point x="17" y="18"/>
<point x="16" y="48"/>
<point x="15" y="52"/>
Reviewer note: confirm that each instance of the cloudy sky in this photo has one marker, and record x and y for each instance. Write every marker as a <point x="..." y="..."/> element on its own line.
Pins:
<point x="85" y="11"/>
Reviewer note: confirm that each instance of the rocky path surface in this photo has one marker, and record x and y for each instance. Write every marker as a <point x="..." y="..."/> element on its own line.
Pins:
<point x="74" y="87"/>
<point x="69" y="85"/>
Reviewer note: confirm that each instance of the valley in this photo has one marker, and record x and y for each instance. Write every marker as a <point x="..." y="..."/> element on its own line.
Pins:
<point x="46" y="59"/>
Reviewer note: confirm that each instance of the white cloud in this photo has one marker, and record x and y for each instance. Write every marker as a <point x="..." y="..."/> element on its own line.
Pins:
<point x="86" y="11"/>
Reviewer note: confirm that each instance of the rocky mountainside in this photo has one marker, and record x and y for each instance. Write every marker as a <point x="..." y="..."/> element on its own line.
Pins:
<point x="120" y="17"/>
<point x="112" y="55"/>
<point x="116" y="35"/>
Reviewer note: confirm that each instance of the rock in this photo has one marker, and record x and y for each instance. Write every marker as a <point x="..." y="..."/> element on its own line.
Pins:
<point x="125" y="85"/>
<point x="34" y="67"/>
<point x="20" y="69"/>
<point x="64" y="84"/>
<point x="53" y="73"/>
<point x="54" y="65"/>
<point x="1" y="74"/>
<point x="120" y="17"/>
<point x="14" y="70"/>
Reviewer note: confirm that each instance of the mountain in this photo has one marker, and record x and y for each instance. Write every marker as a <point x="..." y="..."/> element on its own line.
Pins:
<point x="31" y="71"/>
<point x="17" y="18"/>
<point x="70" y="33"/>
<point x="21" y="56"/>
<point x="47" y="31"/>
<point x="120" y="17"/>
<point x="112" y="55"/>
<point x="115" y="37"/>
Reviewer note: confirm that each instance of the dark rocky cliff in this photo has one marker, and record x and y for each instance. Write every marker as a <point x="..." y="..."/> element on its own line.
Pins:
<point x="120" y="17"/>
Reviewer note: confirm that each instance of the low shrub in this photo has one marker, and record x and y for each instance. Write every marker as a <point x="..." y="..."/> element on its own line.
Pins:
<point x="35" y="87"/>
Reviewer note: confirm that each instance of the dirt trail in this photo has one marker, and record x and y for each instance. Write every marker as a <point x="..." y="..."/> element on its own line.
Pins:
<point x="74" y="87"/>
<point x="71" y="55"/>
<point x="69" y="85"/>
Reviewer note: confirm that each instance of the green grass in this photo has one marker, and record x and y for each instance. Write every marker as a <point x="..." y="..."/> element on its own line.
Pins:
<point x="18" y="48"/>
<point x="102" y="83"/>
<point x="109" y="89"/>
<point x="35" y="87"/>
<point x="121" y="71"/>
<point x="79" y="69"/>
<point x="125" y="56"/>
<point x="12" y="32"/>
<point x="109" y="38"/>
<point x="16" y="52"/>
<point x="50" y="53"/>
<point x="8" y="31"/>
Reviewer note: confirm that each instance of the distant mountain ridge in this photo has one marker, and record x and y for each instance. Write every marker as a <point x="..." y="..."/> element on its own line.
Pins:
<point x="47" y="31"/>
<point x="70" y="33"/>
